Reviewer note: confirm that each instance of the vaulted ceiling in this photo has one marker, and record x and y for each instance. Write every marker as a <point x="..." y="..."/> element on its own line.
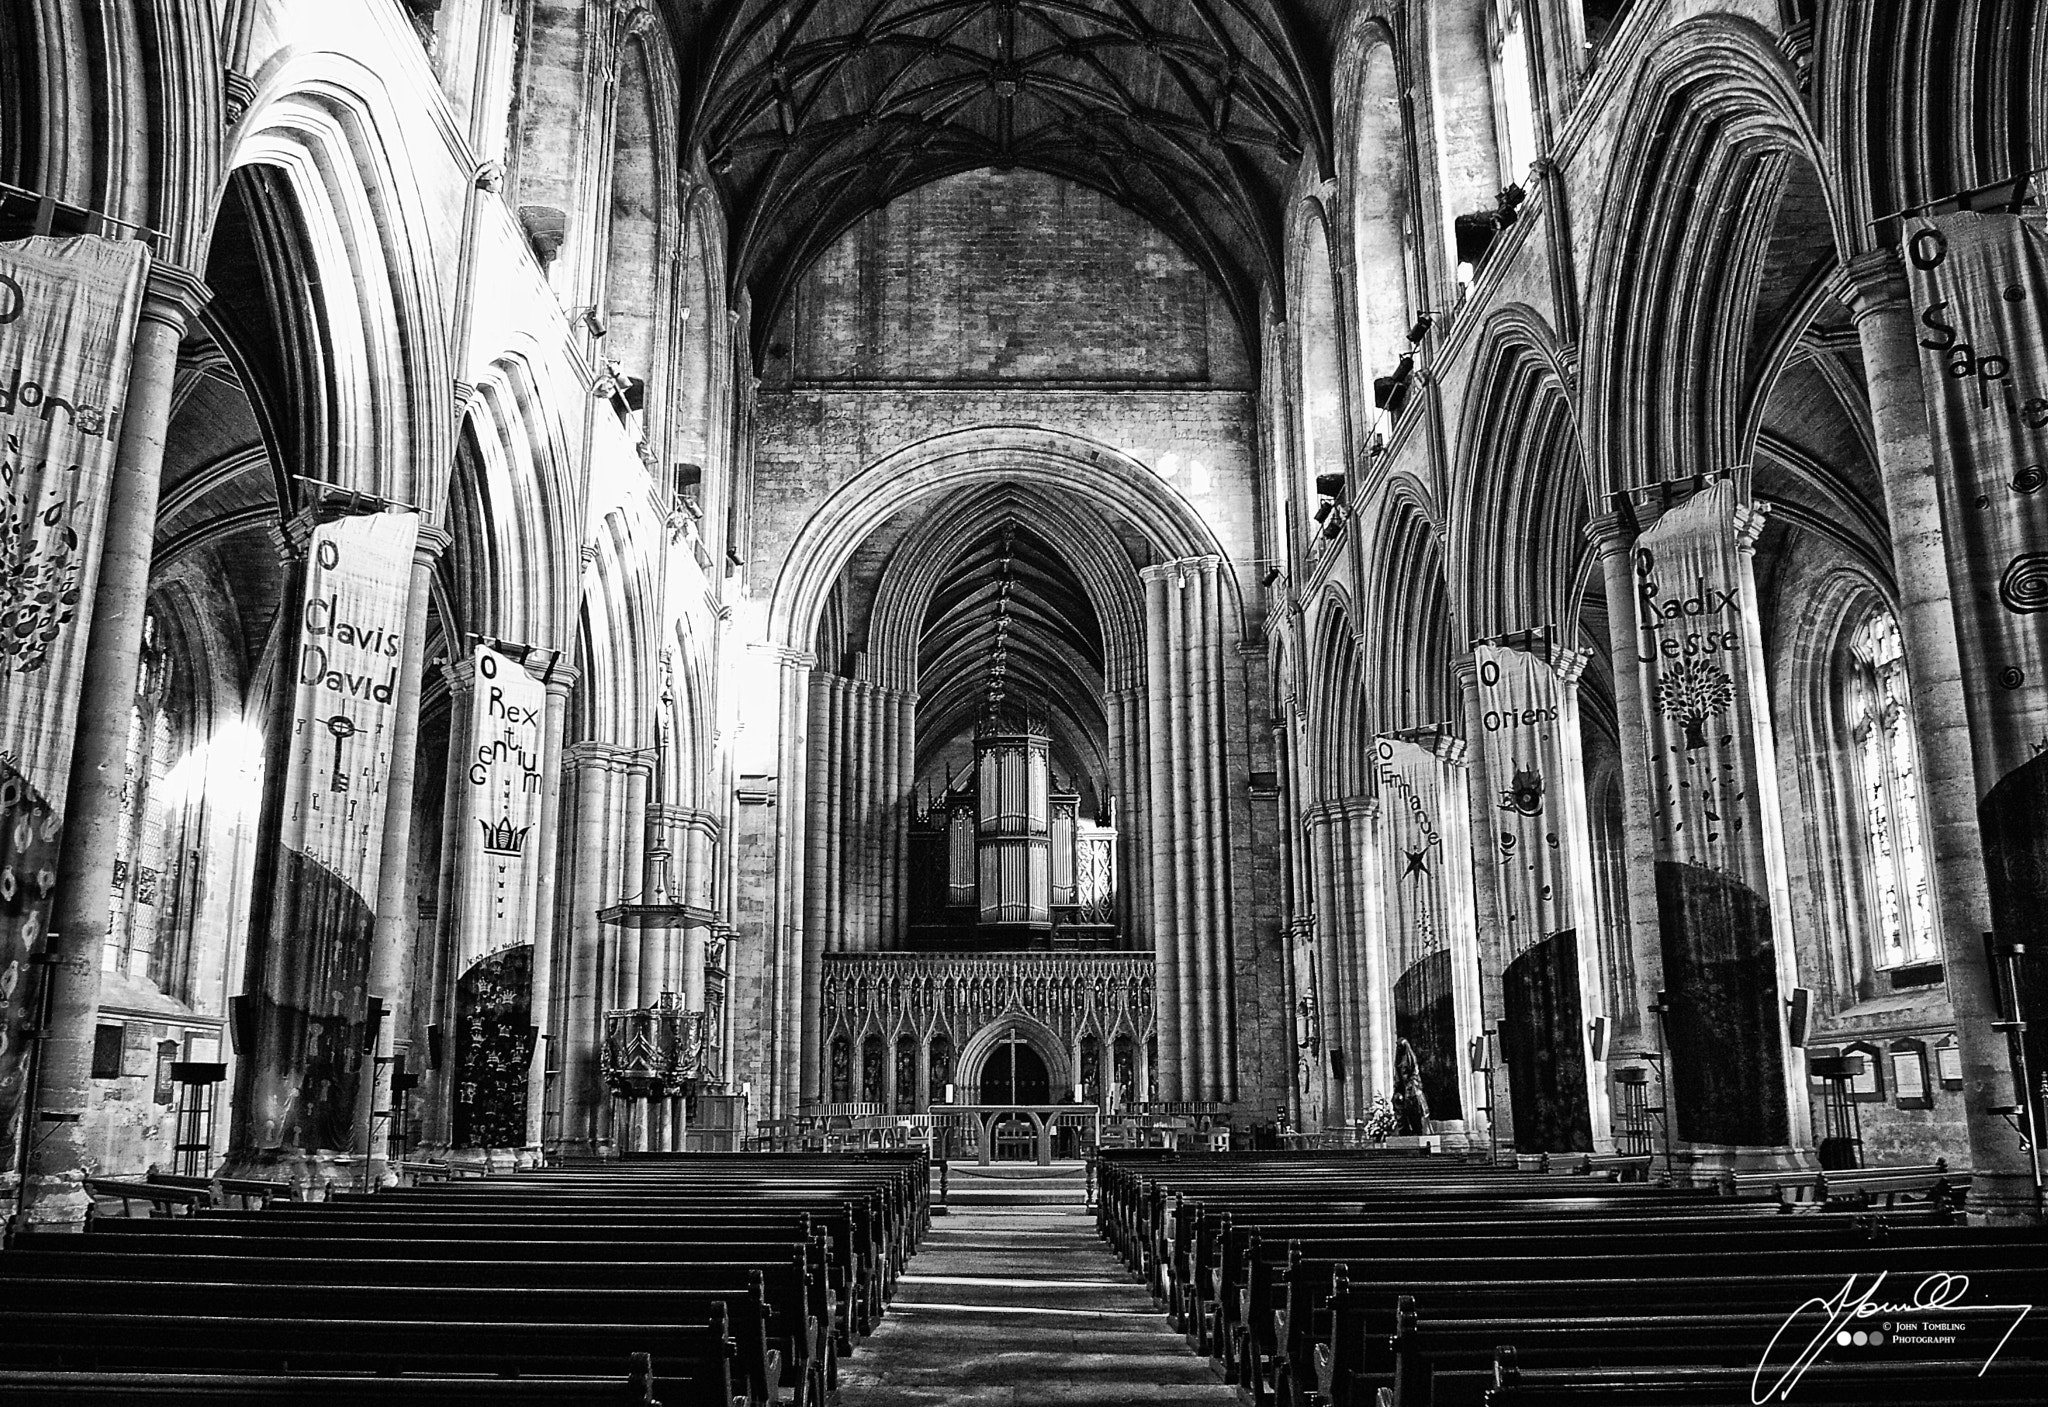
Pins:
<point x="1011" y="602"/>
<point x="1194" y="113"/>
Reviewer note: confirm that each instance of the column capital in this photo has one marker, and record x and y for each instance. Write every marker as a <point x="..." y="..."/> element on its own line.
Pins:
<point x="431" y="543"/>
<point x="174" y="296"/>
<point x="609" y="757"/>
<point x="1871" y="282"/>
<point x="1612" y="532"/>
<point x="560" y="678"/>
<point x="1437" y="739"/>
<point x="1749" y="525"/>
<point x="1176" y="571"/>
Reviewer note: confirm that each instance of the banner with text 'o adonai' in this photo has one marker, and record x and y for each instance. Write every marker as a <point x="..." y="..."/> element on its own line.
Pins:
<point x="67" y="328"/>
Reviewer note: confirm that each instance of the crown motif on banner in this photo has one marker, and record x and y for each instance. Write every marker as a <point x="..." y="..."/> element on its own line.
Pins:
<point x="504" y="838"/>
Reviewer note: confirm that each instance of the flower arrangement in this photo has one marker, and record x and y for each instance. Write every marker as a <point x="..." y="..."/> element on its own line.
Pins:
<point x="1379" y="1120"/>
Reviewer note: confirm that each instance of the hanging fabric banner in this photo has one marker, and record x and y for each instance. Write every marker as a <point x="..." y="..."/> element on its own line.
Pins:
<point x="311" y="995"/>
<point x="1542" y="1025"/>
<point x="67" y="328"/>
<point x="1419" y="866"/>
<point x="1711" y="802"/>
<point x="501" y="788"/>
<point x="1979" y="285"/>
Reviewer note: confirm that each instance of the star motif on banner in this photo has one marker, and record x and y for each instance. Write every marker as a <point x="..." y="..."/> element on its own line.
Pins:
<point x="1418" y="862"/>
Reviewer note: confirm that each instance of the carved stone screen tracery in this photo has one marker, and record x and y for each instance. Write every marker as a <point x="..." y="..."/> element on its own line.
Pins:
<point x="942" y="1003"/>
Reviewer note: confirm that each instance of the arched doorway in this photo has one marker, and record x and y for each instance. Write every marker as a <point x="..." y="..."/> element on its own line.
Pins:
<point x="1015" y="1073"/>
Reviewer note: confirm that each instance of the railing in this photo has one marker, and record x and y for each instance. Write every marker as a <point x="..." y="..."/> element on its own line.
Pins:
<point x="988" y="1124"/>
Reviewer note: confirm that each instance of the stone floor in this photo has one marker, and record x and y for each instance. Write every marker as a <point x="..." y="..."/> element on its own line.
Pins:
<point x="1013" y="1305"/>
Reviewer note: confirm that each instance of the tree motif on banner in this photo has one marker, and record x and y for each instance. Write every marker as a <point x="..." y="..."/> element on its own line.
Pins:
<point x="39" y="563"/>
<point x="1692" y="693"/>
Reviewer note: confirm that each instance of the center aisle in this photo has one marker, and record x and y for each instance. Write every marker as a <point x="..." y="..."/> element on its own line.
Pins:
<point x="1012" y="1303"/>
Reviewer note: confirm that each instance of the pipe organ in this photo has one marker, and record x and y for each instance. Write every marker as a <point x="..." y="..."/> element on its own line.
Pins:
<point x="1003" y="858"/>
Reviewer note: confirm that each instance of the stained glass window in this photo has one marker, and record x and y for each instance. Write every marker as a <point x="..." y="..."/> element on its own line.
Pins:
<point x="1888" y="782"/>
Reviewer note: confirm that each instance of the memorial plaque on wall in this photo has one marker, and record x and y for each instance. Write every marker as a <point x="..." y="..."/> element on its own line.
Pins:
<point x="1417" y="866"/>
<point x="67" y="326"/>
<point x="1542" y="1023"/>
<point x="1979" y="283"/>
<point x="1702" y="672"/>
<point x="312" y="995"/>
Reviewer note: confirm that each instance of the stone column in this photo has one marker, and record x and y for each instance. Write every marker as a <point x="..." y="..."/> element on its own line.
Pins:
<point x="700" y="864"/>
<point x="799" y="963"/>
<point x="561" y="681"/>
<point x="391" y="942"/>
<point x="92" y="813"/>
<point x="1873" y="285"/>
<point x="592" y="768"/>
<point x="1615" y="543"/>
<point x="1163" y="908"/>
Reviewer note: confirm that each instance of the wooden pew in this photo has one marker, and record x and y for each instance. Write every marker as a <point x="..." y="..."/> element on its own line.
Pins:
<point x="158" y="1197"/>
<point x="1433" y="1338"/>
<point x="692" y="1361"/>
<point x="740" y="1310"/>
<point x="252" y="1192"/>
<point x="788" y="1325"/>
<point x="1894" y="1384"/>
<point x="1860" y="1188"/>
<point x="633" y="1387"/>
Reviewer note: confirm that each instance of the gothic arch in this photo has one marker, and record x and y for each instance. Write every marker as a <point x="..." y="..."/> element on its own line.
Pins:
<point x="1089" y="471"/>
<point x="1377" y="173"/>
<point x="1519" y="528"/>
<point x="333" y="130"/>
<point x="1409" y="607"/>
<point x="1718" y="140"/>
<point x="975" y="1053"/>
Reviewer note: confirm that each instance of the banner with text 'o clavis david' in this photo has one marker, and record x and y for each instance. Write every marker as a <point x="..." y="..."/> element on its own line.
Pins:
<point x="68" y="310"/>
<point x="312" y="977"/>
<point x="1980" y="294"/>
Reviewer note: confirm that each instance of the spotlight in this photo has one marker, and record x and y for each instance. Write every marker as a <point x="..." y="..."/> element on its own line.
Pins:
<point x="1421" y="329"/>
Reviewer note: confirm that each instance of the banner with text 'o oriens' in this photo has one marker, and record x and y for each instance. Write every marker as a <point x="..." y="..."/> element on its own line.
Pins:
<point x="310" y="979"/>
<point x="1525" y="722"/>
<point x="1980" y="294"/>
<point x="68" y="309"/>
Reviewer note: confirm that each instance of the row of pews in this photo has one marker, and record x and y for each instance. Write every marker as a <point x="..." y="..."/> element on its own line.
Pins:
<point x="722" y="1280"/>
<point x="1316" y="1279"/>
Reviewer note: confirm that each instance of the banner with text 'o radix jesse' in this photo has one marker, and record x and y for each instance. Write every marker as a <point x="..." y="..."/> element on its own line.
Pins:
<point x="68" y="310"/>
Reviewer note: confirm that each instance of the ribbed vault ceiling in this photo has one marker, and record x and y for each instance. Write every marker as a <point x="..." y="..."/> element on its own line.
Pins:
<point x="1191" y="112"/>
<point x="1054" y="644"/>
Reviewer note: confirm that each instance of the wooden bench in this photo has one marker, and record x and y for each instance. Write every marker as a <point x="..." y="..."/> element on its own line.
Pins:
<point x="1930" y="1183"/>
<point x="459" y="1312"/>
<point x="633" y="1387"/>
<point x="250" y="1191"/>
<point x="159" y="1197"/>
<point x="692" y="1362"/>
<point x="2014" y="1383"/>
